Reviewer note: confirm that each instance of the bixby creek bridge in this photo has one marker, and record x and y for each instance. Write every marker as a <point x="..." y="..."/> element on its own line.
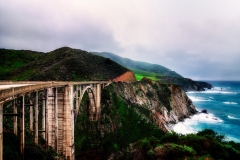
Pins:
<point x="52" y="106"/>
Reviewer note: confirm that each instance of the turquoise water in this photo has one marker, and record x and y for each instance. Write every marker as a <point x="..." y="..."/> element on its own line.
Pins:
<point x="223" y="106"/>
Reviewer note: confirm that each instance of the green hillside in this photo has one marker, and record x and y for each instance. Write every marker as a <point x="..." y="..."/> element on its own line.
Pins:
<point x="12" y="59"/>
<point x="141" y="69"/>
<point x="65" y="64"/>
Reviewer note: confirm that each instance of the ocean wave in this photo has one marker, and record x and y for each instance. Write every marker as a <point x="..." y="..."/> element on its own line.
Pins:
<point x="220" y="92"/>
<point x="219" y="88"/>
<point x="183" y="128"/>
<point x="231" y="117"/>
<point x="213" y="91"/>
<point x="195" y="99"/>
<point x="230" y="103"/>
<point x="203" y="117"/>
<point x="187" y="126"/>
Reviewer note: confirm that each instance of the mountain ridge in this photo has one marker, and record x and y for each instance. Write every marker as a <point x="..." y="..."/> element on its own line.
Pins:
<point x="67" y="64"/>
<point x="139" y="65"/>
<point x="156" y="72"/>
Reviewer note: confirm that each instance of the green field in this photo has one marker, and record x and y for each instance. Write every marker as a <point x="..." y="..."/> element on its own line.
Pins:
<point x="139" y="74"/>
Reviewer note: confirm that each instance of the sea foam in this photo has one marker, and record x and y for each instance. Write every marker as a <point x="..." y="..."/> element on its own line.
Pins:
<point x="230" y="103"/>
<point x="215" y="90"/>
<point x="187" y="126"/>
<point x="231" y="117"/>
<point x="198" y="99"/>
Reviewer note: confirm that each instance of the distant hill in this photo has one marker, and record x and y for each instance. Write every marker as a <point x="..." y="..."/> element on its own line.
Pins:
<point x="140" y="68"/>
<point x="64" y="64"/>
<point x="156" y="72"/>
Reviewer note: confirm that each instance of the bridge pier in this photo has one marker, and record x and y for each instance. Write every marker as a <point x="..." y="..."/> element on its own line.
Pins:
<point x="56" y="118"/>
<point x="15" y="117"/>
<point x="44" y="115"/>
<point x="22" y="125"/>
<point x="36" y="118"/>
<point x="68" y="123"/>
<point x="31" y="113"/>
<point x="98" y="100"/>
<point x="1" y="131"/>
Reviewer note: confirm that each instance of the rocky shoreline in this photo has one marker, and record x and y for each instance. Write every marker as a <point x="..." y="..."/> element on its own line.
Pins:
<point x="186" y="83"/>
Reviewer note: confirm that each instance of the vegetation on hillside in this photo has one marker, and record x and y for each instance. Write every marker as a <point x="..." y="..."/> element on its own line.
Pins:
<point x="156" y="72"/>
<point x="122" y="133"/>
<point x="139" y="67"/>
<point x="13" y="59"/>
<point x="64" y="64"/>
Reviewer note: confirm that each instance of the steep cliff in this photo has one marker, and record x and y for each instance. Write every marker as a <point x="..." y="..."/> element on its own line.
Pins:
<point x="161" y="104"/>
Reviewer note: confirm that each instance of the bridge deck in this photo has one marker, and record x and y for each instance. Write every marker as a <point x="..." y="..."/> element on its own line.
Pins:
<point x="8" y="86"/>
<point x="9" y="89"/>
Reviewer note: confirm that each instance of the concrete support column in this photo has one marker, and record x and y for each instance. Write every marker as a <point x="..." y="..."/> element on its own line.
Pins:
<point x="22" y="126"/>
<point x="14" y="117"/>
<point x="92" y="109"/>
<point x="68" y="144"/>
<point x="50" y="123"/>
<point x="60" y="123"/>
<point x="31" y="115"/>
<point x="36" y="119"/>
<point x="56" y="118"/>
<point x="44" y="115"/>
<point x="1" y="131"/>
<point x="76" y="101"/>
<point x="98" y="100"/>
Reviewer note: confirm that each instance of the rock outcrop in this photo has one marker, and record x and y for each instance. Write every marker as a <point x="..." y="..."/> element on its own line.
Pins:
<point x="186" y="83"/>
<point x="126" y="77"/>
<point x="162" y="104"/>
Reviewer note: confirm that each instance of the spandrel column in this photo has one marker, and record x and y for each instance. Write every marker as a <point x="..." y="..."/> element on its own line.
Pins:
<point x="15" y="117"/>
<point x="44" y="114"/>
<point x="1" y="131"/>
<point x="36" y="119"/>
<point x="22" y="125"/>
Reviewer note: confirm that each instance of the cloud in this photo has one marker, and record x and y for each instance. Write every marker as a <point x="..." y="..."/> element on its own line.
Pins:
<point x="198" y="39"/>
<point x="27" y="26"/>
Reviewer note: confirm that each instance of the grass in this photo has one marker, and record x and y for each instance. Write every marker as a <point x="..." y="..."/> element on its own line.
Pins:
<point x="139" y="77"/>
<point x="139" y="74"/>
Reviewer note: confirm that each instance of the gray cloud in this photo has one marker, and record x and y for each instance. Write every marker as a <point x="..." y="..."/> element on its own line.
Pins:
<point x="198" y="39"/>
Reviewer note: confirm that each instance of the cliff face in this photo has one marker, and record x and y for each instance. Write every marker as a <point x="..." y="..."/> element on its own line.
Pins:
<point x="162" y="104"/>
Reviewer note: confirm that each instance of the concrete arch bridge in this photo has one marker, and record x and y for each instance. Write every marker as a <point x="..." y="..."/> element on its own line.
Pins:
<point x="52" y="109"/>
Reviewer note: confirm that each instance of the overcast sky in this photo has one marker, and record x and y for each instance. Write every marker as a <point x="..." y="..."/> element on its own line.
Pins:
<point x="199" y="39"/>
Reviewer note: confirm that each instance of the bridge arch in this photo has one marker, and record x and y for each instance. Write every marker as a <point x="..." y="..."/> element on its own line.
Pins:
<point x="92" y="102"/>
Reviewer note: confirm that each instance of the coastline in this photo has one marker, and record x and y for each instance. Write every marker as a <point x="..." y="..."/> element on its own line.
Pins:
<point x="223" y="107"/>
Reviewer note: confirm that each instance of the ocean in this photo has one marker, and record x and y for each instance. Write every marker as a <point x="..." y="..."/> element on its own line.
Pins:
<point x="222" y="103"/>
